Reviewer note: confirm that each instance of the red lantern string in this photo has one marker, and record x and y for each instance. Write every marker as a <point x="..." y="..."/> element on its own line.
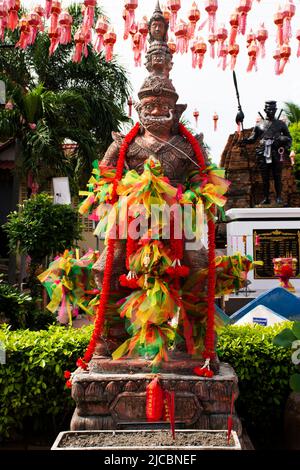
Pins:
<point x="196" y="116"/>
<point x="252" y="53"/>
<point x="222" y="35"/>
<point x="41" y="12"/>
<point x="55" y="11"/>
<point x="174" y="6"/>
<point x="101" y="29"/>
<point x="89" y="13"/>
<point x="48" y="8"/>
<point x="234" y="23"/>
<point x="13" y="16"/>
<point x="79" y="39"/>
<point x="104" y="296"/>
<point x="34" y="22"/>
<point x="65" y="22"/>
<point x="211" y="6"/>
<point x="182" y="41"/>
<point x="193" y="17"/>
<point x="277" y="58"/>
<point x="212" y="39"/>
<point x="109" y="41"/>
<point x="285" y="53"/>
<point x="54" y="41"/>
<point x="194" y="56"/>
<point x="233" y="51"/>
<point x="278" y="20"/>
<point x="262" y="36"/>
<point x="223" y="56"/>
<point x="25" y="33"/>
<point x="298" y="37"/>
<point x="200" y="51"/>
<point x="215" y="119"/>
<point x="243" y="8"/>
<point x="288" y="13"/>
<point x="250" y="37"/>
<point x="137" y="48"/>
<point x="143" y="30"/>
<point x="130" y="7"/>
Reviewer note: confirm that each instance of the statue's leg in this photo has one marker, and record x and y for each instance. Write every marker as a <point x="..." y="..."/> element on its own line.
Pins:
<point x="265" y="174"/>
<point x="277" y="171"/>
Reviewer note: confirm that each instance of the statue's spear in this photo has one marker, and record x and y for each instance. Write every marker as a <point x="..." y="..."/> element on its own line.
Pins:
<point x="239" y="119"/>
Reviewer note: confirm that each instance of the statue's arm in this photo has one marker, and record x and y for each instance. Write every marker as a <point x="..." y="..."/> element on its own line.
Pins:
<point x="256" y="133"/>
<point x="112" y="153"/>
<point x="285" y="137"/>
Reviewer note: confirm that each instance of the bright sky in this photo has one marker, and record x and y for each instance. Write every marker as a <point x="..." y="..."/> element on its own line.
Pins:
<point x="211" y="89"/>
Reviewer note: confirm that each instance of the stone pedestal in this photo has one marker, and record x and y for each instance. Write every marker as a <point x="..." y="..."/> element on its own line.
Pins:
<point x="107" y="399"/>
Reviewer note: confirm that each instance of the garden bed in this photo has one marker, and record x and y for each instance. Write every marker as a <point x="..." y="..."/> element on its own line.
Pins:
<point x="148" y="439"/>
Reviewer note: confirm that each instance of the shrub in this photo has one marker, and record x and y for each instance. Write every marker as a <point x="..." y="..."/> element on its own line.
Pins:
<point x="263" y="371"/>
<point x="18" y="309"/>
<point x="32" y="384"/>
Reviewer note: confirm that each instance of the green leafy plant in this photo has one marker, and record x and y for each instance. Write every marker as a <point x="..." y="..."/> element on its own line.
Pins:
<point x="41" y="229"/>
<point x="290" y="338"/>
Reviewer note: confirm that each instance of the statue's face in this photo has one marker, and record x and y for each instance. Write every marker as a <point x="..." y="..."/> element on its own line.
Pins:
<point x="157" y="30"/>
<point x="157" y="59"/>
<point x="157" y="113"/>
<point x="270" y="112"/>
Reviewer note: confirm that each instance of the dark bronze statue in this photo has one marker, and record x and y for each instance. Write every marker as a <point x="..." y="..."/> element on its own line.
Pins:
<point x="274" y="145"/>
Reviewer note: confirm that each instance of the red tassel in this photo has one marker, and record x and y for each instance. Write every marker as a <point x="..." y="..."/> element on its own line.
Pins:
<point x="229" y="423"/>
<point x="178" y="271"/>
<point x="154" y="400"/>
<point x="131" y="283"/>
<point x="170" y="410"/>
<point x="203" y="372"/>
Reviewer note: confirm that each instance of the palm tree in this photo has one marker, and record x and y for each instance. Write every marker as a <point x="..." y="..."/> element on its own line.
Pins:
<point x="292" y="112"/>
<point x="56" y="101"/>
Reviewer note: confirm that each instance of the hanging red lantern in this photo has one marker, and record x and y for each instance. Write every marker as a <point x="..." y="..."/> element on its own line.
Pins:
<point x="262" y="36"/>
<point x="101" y="29"/>
<point x="109" y="41"/>
<point x="243" y="8"/>
<point x="250" y="37"/>
<point x="211" y="7"/>
<point x="234" y="23"/>
<point x="285" y="53"/>
<point x="182" y="40"/>
<point x="233" y="51"/>
<point x="3" y="18"/>
<point x="34" y="22"/>
<point x="298" y="37"/>
<point x="48" y="8"/>
<point x="172" y="45"/>
<point x="174" y="6"/>
<point x="13" y="18"/>
<point x="89" y="13"/>
<point x="215" y="119"/>
<point x="166" y="14"/>
<point x="196" y="116"/>
<point x="252" y="53"/>
<point x="130" y="6"/>
<point x="25" y="33"/>
<point x="137" y="49"/>
<point x="200" y="50"/>
<point x="41" y="12"/>
<point x="65" y="22"/>
<point x="143" y="29"/>
<point x="212" y="39"/>
<point x="194" y="17"/>
<point x="277" y="58"/>
<point x="288" y="13"/>
<point x="126" y="31"/>
<point x="79" y="39"/>
<point x="223" y="56"/>
<point x="54" y="41"/>
<point x="222" y="35"/>
<point x="194" y="57"/>
<point x="130" y="104"/>
<point x="278" y="20"/>
<point x="55" y="12"/>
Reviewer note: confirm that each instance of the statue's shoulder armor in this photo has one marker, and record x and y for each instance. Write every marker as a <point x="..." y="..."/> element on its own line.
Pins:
<point x="118" y="137"/>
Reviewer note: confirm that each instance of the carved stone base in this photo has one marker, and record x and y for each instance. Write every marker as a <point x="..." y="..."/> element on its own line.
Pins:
<point x="117" y="400"/>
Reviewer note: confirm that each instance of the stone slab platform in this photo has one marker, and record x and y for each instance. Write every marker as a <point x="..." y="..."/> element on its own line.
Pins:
<point x="108" y="400"/>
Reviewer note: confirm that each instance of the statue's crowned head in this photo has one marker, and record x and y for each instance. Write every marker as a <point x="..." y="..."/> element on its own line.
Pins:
<point x="270" y="109"/>
<point x="157" y="109"/>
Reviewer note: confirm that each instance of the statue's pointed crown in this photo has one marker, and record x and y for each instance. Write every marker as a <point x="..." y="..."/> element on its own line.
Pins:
<point x="158" y="59"/>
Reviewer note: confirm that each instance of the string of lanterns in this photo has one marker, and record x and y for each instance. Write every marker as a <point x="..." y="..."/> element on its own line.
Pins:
<point x="184" y="36"/>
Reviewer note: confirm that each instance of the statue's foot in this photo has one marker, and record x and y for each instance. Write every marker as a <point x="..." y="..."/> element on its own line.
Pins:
<point x="265" y="201"/>
<point x="279" y="200"/>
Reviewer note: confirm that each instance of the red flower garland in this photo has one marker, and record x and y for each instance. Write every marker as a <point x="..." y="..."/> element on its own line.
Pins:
<point x="104" y="296"/>
<point x="209" y="352"/>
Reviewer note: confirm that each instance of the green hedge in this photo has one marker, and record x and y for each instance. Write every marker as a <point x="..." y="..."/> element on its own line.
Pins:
<point x="263" y="370"/>
<point x="32" y="386"/>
